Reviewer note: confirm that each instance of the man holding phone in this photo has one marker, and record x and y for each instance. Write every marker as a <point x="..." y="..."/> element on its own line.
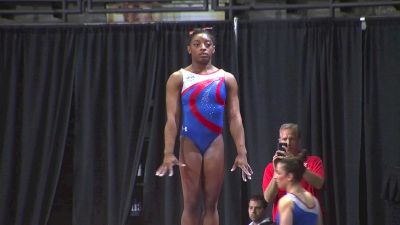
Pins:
<point x="289" y="144"/>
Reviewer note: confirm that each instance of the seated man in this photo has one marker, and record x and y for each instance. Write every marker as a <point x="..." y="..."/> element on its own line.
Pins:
<point x="257" y="211"/>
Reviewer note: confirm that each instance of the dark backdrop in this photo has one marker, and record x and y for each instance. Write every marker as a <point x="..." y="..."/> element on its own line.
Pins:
<point x="78" y="103"/>
<point x="305" y="76"/>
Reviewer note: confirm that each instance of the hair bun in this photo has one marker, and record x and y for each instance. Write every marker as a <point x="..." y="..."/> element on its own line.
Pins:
<point x="199" y="30"/>
<point x="302" y="156"/>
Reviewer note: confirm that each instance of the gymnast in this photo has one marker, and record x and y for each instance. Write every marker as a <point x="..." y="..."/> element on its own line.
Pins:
<point x="196" y="99"/>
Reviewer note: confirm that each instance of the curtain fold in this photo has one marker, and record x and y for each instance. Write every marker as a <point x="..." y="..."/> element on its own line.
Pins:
<point x="342" y="144"/>
<point x="113" y="93"/>
<point x="35" y="106"/>
<point x="382" y="115"/>
<point x="307" y="72"/>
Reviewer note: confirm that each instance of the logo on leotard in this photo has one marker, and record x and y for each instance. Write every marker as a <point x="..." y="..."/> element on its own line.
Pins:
<point x="190" y="77"/>
<point x="184" y="129"/>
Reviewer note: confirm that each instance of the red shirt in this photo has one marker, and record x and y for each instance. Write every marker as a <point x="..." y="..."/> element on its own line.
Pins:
<point x="313" y="163"/>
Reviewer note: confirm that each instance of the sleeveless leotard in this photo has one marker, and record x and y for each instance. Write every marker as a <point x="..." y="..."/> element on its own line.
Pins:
<point x="302" y="215"/>
<point x="203" y="102"/>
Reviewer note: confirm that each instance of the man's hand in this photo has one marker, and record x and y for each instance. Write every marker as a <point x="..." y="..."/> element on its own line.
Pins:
<point x="168" y="163"/>
<point x="280" y="154"/>
<point x="241" y="162"/>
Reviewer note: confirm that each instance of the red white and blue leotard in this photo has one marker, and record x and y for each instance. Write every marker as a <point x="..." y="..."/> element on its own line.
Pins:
<point x="203" y="102"/>
<point x="302" y="214"/>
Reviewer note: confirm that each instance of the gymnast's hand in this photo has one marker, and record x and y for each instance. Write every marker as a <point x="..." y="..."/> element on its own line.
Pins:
<point x="241" y="162"/>
<point x="168" y="163"/>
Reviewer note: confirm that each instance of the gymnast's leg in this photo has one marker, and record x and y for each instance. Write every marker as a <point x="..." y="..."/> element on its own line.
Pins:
<point x="191" y="178"/>
<point x="213" y="176"/>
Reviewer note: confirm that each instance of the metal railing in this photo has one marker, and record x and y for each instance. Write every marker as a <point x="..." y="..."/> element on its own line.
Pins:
<point x="329" y="4"/>
<point x="157" y="6"/>
<point x="62" y="9"/>
<point x="9" y="8"/>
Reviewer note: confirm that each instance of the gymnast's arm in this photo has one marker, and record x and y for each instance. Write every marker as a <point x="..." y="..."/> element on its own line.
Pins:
<point x="173" y="109"/>
<point x="236" y="127"/>
<point x="285" y="207"/>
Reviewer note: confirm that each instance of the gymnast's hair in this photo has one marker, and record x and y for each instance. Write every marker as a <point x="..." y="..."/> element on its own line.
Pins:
<point x="205" y="30"/>
<point x="294" y="165"/>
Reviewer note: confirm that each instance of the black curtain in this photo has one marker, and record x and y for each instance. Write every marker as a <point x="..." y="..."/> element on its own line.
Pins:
<point x="113" y="92"/>
<point x="36" y="73"/>
<point x="381" y="153"/>
<point x="306" y="72"/>
<point x="90" y="85"/>
<point x="75" y="101"/>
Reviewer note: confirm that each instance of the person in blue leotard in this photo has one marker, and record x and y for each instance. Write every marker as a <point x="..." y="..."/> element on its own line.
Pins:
<point x="197" y="97"/>
<point x="297" y="206"/>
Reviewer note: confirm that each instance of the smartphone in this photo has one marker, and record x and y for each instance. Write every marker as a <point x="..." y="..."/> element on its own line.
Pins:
<point x="280" y="146"/>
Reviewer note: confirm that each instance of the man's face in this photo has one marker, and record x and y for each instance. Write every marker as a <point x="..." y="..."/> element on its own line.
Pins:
<point x="256" y="211"/>
<point x="290" y="137"/>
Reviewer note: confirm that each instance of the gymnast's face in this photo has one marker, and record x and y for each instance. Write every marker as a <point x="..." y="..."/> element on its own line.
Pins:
<point x="281" y="177"/>
<point x="201" y="48"/>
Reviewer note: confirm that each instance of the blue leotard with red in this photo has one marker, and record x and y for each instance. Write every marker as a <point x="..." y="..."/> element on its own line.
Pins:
<point x="203" y="103"/>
